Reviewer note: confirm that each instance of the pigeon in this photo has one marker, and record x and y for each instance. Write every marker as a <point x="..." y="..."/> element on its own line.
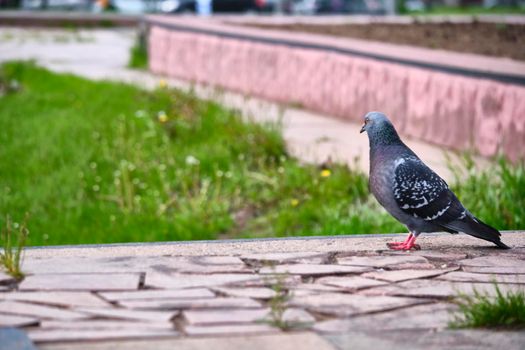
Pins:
<point x="412" y="193"/>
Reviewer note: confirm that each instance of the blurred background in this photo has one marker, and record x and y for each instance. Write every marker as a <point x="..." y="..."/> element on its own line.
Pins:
<point x="164" y="120"/>
<point x="293" y="7"/>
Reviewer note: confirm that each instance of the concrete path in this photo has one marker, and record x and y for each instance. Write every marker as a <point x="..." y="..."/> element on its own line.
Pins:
<point x="104" y="53"/>
<point x="317" y="293"/>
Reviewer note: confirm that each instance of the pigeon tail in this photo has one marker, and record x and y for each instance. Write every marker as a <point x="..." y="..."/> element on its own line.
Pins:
<point x="477" y="228"/>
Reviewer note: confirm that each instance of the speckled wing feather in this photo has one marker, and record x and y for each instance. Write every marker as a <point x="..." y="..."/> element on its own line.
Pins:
<point x="420" y="192"/>
<point x="423" y="194"/>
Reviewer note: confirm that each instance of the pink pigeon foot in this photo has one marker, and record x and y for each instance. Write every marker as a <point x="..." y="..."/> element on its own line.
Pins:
<point x="408" y="244"/>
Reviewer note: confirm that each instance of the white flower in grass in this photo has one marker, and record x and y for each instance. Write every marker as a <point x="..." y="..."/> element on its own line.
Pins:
<point x="191" y="160"/>
<point x="140" y="113"/>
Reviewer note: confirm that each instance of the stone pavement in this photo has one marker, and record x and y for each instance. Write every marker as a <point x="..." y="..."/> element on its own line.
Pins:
<point x="321" y="293"/>
<point x="103" y="54"/>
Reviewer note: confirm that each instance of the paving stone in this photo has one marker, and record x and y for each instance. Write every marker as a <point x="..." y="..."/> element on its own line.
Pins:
<point x="247" y="292"/>
<point x="269" y="281"/>
<point x="202" y="264"/>
<point x="219" y="260"/>
<point x="40" y="311"/>
<point x="15" y="339"/>
<point x="415" y="266"/>
<point x="277" y="340"/>
<point x="125" y="314"/>
<point x="315" y="288"/>
<point x="240" y="329"/>
<point x="438" y="289"/>
<point x="84" y="265"/>
<point x="176" y="304"/>
<point x="304" y="292"/>
<point x="350" y="283"/>
<point x="7" y="320"/>
<point x="428" y="340"/>
<point x="106" y="325"/>
<point x="295" y="316"/>
<point x="280" y="258"/>
<point x="214" y="317"/>
<point x="428" y="316"/>
<point x="495" y="261"/>
<point x="405" y="275"/>
<point x="382" y="260"/>
<point x="180" y="281"/>
<point x="312" y="269"/>
<point x="435" y="255"/>
<point x="121" y="264"/>
<point x="5" y="278"/>
<point x="209" y="269"/>
<point x="62" y="335"/>
<point x="86" y="281"/>
<point x="196" y="293"/>
<point x="57" y="298"/>
<point x="500" y="270"/>
<point x="340" y="304"/>
<point x="461" y="276"/>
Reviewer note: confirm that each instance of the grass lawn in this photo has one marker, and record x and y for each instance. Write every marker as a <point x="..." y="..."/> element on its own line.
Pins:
<point x="100" y="162"/>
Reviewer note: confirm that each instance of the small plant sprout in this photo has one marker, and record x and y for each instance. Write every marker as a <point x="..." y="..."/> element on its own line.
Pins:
<point x="280" y="315"/>
<point x="278" y="304"/>
<point x="504" y="310"/>
<point x="14" y="237"/>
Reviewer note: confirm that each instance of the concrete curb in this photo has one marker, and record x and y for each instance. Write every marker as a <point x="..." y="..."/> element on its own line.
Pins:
<point x="327" y="74"/>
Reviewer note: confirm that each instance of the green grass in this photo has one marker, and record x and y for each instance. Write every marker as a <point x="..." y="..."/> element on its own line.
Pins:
<point x="482" y="311"/>
<point x="97" y="162"/>
<point x="13" y="238"/>
<point x="497" y="195"/>
<point x="102" y="162"/>
<point x="138" y="58"/>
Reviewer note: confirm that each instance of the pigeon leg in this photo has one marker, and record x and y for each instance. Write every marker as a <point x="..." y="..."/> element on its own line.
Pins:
<point x="391" y="245"/>
<point x="408" y="244"/>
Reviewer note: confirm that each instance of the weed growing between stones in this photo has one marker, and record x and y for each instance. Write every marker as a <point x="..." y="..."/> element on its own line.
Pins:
<point x="14" y="237"/>
<point x="278" y="304"/>
<point x="484" y="311"/>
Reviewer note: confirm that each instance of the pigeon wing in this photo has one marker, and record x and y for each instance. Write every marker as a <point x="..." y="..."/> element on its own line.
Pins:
<point x="420" y="192"/>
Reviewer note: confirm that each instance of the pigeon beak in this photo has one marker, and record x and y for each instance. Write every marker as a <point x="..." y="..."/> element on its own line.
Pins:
<point x="362" y="129"/>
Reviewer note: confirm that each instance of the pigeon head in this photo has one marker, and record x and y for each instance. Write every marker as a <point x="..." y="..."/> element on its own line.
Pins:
<point x="379" y="129"/>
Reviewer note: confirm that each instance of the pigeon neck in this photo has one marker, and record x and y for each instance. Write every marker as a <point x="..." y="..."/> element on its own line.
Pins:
<point x="384" y="136"/>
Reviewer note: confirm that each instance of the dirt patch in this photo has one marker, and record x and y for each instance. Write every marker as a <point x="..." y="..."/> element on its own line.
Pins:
<point x="491" y="39"/>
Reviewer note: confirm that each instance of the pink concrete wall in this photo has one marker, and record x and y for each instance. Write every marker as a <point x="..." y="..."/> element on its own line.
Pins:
<point x="450" y="110"/>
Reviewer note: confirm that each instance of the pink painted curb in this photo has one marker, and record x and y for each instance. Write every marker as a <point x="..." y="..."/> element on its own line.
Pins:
<point x="451" y="110"/>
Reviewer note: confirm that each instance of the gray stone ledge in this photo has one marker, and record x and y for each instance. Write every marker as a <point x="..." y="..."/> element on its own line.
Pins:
<point x="350" y="243"/>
